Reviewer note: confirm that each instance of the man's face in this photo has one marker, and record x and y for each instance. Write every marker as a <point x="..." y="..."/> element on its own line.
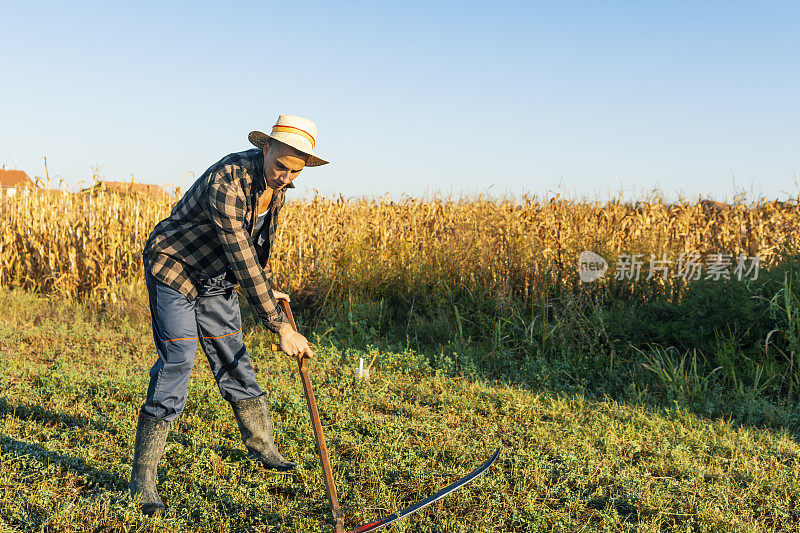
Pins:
<point x="282" y="164"/>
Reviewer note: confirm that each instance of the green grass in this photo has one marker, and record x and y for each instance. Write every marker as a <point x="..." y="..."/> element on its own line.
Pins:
<point x="72" y="380"/>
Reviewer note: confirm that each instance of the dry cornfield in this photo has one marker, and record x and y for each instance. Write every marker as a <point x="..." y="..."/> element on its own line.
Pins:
<point x="89" y="245"/>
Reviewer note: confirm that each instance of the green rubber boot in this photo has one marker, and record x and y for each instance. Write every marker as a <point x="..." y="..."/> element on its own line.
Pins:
<point x="151" y="434"/>
<point x="252" y="415"/>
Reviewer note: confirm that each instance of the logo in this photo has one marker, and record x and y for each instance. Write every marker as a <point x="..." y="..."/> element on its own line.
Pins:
<point x="591" y="266"/>
<point x="688" y="267"/>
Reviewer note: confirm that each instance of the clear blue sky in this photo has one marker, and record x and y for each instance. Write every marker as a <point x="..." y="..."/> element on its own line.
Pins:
<point x="414" y="97"/>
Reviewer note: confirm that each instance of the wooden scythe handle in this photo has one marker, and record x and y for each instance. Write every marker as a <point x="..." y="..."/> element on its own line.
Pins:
<point x="322" y="449"/>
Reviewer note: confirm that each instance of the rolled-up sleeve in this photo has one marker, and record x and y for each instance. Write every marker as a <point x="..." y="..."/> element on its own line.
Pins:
<point x="227" y="208"/>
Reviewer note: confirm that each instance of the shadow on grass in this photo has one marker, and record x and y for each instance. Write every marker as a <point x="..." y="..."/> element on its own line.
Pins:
<point x="36" y="413"/>
<point x="256" y="516"/>
<point x="33" y="460"/>
<point x="94" y="477"/>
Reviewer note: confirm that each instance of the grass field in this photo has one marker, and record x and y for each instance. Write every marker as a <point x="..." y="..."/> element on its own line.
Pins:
<point x="658" y="405"/>
<point x="73" y="377"/>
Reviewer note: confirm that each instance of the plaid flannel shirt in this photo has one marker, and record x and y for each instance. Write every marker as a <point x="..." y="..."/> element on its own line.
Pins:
<point x="210" y="233"/>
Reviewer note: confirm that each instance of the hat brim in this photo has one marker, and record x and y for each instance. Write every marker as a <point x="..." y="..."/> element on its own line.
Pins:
<point x="259" y="139"/>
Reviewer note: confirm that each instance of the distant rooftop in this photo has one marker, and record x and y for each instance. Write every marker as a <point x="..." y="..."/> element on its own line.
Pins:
<point x="14" y="178"/>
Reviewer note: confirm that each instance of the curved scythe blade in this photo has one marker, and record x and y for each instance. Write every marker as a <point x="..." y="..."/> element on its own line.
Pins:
<point x="372" y="526"/>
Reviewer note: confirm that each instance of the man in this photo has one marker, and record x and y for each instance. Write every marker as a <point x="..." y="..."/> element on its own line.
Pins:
<point x="219" y="235"/>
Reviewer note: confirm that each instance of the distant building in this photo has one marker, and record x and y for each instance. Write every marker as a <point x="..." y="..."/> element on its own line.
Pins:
<point x="14" y="182"/>
<point x="129" y="188"/>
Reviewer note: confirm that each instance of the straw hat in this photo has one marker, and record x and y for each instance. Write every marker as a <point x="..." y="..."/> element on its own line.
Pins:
<point x="298" y="132"/>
